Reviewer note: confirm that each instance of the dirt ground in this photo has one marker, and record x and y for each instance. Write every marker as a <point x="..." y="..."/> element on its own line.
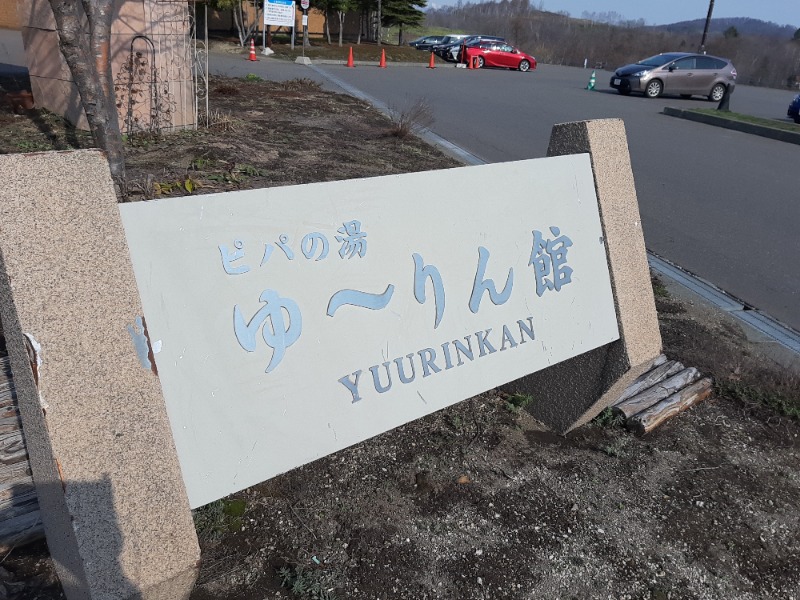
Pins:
<point x="477" y="501"/>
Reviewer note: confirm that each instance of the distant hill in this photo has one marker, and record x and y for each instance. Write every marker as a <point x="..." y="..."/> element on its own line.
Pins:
<point x="745" y="26"/>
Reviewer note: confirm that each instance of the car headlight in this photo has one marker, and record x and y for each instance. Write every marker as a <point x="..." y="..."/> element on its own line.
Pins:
<point x="640" y="73"/>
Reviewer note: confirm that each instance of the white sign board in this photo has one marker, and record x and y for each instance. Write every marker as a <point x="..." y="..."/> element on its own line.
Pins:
<point x="288" y="323"/>
<point x="279" y="12"/>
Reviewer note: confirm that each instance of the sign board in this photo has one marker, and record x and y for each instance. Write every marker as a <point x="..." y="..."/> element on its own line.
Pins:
<point x="304" y="4"/>
<point x="279" y="12"/>
<point x="289" y="323"/>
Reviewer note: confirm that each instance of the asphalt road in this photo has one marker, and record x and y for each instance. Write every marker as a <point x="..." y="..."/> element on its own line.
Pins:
<point x="721" y="204"/>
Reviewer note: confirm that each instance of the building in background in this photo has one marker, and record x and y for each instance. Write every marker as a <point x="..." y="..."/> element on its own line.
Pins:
<point x="151" y="64"/>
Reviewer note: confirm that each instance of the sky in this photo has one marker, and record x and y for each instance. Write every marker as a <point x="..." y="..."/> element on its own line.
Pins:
<point x="782" y="12"/>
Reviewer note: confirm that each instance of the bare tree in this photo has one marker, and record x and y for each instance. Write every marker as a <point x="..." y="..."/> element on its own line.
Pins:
<point x="244" y="29"/>
<point x="84" y="32"/>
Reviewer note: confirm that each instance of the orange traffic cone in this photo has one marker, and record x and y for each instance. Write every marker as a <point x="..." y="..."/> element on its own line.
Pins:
<point x="468" y="60"/>
<point x="350" y="58"/>
<point x="382" y="64"/>
<point x="431" y="64"/>
<point x="252" y="50"/>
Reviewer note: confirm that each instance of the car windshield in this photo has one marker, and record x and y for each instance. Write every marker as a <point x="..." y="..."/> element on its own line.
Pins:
<point x="657" y="61"/>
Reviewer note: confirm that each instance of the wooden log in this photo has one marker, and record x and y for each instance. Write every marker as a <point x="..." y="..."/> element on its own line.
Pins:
<point x="9" y="424"/>
<point x="20" y="530"/>
<point x="656" y="393"/>
<point x="9" y="411"/>
<point x="649" y="419"/>
<point x="21" y="499"/>
<point x="20" y="519"/>
<point x="12" y="448"/>
<point x="13" y="472"/>
<point x="655" y="375"/>
<point x="658" y="360"/>
<point x="21" y="505"/>
<point x="11" y="491"/>
<point x="8" y="396"/>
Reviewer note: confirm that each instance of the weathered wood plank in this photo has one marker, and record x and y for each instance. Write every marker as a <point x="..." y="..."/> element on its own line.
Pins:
<point x="21" y="499"/>
<point x="12" y="448"/>
<point x="14" y="471"/>
<point x="656" y="393"/>
<point x="8" y="396"/>
<point x="17" y="488"/>
<point x="21" y="505"/>
<point x="655" y="375"/>
<point x="9" y="424"/>
<point x="9" y="411"/>
<point x="20" y="530"/>
<point x="20" y="519"/>
<point x="649" y="419"/>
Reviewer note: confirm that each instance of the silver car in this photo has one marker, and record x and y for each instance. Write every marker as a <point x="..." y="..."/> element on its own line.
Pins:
<point x="678" y="73"/>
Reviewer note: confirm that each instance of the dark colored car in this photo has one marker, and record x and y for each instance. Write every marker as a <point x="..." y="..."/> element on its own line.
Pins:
<point x="426" y="42"/>
<point x="500" y="54"/>
<point x="680" y="73"/>
<point x="454" y="53"/>
<point x="439" y="49"/>
<point x="794" y="109"/>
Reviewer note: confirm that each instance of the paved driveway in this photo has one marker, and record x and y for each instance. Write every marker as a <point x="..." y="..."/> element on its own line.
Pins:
<point x="721" y="204"/>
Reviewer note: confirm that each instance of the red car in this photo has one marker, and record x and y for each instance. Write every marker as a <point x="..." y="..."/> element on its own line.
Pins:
<point x="500" y="54"/>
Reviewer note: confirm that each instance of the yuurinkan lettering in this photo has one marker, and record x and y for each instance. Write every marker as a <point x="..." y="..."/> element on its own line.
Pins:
<point x="426" y="362"/>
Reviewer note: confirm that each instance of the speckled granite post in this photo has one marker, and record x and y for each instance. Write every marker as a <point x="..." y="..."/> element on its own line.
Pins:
<point x="113" y="503"/>
<point x="571" y="393"/>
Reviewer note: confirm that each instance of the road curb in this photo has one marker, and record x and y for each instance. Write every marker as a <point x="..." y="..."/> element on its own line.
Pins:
<point x="368" y="63"/>
<point x="767" y="132"/>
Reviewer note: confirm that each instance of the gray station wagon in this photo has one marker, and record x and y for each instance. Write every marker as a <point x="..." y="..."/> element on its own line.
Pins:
<point x="678" y="73"/>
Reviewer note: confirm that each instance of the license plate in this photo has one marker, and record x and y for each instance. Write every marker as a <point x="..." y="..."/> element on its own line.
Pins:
<point x="617" y="81"/>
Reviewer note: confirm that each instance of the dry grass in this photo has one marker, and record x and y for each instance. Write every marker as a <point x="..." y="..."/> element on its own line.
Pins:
<point x="412" y="119"/>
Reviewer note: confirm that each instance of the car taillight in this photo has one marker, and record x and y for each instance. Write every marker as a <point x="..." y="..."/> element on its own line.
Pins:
<point x="733" y="73"/>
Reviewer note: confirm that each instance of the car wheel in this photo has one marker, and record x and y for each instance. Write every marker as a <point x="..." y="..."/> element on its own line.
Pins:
<point x="481" y="62"/>
<point x="524" y="65"/>
<point x="797" y="119"/>
<point x="654" y="89"/>
<point x="717" y="92"/>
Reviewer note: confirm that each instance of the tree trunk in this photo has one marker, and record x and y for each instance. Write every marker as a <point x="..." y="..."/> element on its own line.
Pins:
<point x="88" y="55"/>
<point x="380" y="16"/>
<point x="238" y="20"/>
<point x="327" y="27"/>
<point x="341" y="15"/>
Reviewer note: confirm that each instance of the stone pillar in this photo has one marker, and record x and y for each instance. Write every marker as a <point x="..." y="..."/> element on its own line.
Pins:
<point x="112" y="498"/>
<point x="573" y="392"/>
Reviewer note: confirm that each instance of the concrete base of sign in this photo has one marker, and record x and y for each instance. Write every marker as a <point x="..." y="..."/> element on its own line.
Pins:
<point x="110" y="489"/>
<point x="303" y="60"/>
<point x="267" y="52"/>
<point x="571" y="393"/>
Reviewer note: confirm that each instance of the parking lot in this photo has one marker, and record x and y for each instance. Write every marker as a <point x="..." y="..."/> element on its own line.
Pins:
<point x="719" y="203"/>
